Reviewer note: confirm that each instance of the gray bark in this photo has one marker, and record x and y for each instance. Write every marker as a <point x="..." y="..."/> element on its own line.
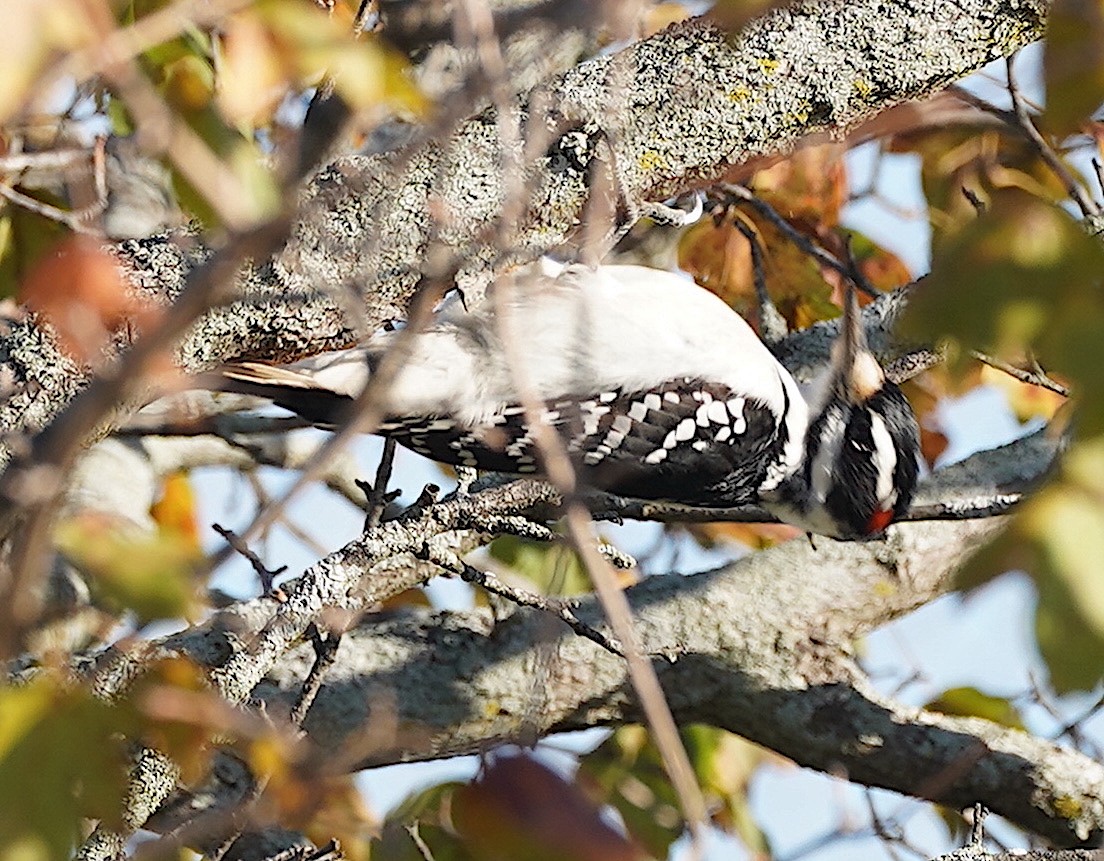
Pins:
<point x="762" y="647"/>
<point x="669" y="113"/>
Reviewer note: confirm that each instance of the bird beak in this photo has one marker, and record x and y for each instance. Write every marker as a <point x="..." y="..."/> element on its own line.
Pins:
<point x="856" y="373"/>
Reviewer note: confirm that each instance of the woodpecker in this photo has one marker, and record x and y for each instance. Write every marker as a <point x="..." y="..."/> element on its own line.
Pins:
<point x="658" y="388"/>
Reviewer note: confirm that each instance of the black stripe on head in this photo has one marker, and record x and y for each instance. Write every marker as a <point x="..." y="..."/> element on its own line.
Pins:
<point x="853" y="499"/>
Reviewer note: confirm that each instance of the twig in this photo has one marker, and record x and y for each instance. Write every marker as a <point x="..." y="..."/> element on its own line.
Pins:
<point x="377" y="498"/>
<point x="1098" y="169"/>
<point x="264" y="573"/>
<point x="1035" y="378"/>
<point x="856" y="276"/>
<point x="1074" y="189"/>
<point x="731" y="191"/>
<point x="325" y="653"/>
<point x="977" y="827"/>
<point x="74" y="221"/>
<point x="772" y="325"/>
<point x="522" y="597"/>
<point x="477" y="23"/>
<point x="45" y="160"/>
<point x="976" y="202"/>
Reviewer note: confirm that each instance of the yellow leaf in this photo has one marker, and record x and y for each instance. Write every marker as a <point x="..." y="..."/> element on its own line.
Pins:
<point x="152" y="576"/>
<point x="175" y="512"/>
<point x="1073" y="63"/>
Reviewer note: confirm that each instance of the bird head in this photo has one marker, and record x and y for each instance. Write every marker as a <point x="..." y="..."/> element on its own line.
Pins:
<point x="861" y="446"/>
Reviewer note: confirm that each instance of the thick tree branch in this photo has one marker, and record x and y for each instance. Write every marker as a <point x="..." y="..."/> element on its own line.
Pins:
<point x="672" y="112"/>
<point x="762" y="648"/>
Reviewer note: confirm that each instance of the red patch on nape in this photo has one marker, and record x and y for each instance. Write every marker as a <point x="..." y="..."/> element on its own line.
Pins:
<point x="879" y="520"/>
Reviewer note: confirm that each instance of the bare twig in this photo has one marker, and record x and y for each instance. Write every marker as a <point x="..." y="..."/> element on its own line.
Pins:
<point x="378" y="497"/>
<point x="325" y="646"/>
<point x="976" y="202"/>
<point x="265" y="574"/>
<point x="1036" y="377"/>
<point x="1074" y="188"/>
<point x="729" y="192"/>
<point x="522" y="597"/>
<point x="479" y="26"/>
<point x="75" y="221"/>
<point x="772" y="325"/>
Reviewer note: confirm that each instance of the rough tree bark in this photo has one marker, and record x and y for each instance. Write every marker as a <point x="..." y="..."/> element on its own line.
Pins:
<point x="762" y="648"/>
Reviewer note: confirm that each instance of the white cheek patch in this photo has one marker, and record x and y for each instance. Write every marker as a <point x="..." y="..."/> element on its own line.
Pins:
<point x="826" y="456"/>
<point x="885" y="456"/>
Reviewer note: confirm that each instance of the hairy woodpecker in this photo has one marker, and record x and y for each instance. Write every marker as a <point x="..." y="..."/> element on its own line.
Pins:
<point x="658" y="388"/>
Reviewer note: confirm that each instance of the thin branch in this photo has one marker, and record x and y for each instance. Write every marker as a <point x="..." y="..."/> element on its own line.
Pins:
<point x="1036" y="378"/>
<point x="378" y="497"/>
<point x="522" y="597"/>
<point x="772" y="325"/>
<point x="265" y="574"/>
<point x="73" y="220"/>
<point x="1074" y="189"/>
<point x="325" y="646"/>
<point x="729" y="192"/>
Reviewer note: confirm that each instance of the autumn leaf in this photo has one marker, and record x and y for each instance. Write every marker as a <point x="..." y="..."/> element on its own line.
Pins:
<point x="519" y="808"/>
<point x="79" y="290"/>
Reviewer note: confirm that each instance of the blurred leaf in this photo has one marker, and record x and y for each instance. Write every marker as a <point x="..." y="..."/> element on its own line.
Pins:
<point x="758" y="536"/>
<point x="253" y="79"/>
<point x="552" y="567"/>
<point x="1073" y="63"/>
<point x="1023" y="277"/>
<point x="981" y="158"/>
<point x="518" y="808"/>
<point x="79" y="289"/>
<point x="970" y="702"/>
<point x="732" y="15"/>
<point x="1026" y="400"/>
<point x="25" y="237"/>
<point x="150" y="575"/>
<point x="175" y="512"/>
<point x="35" y="31"/>
<point x="424" y="816"/>
<point x="724" y="764"/>
<point x="62" y="758"/>
<point x="808" y="188"/>
<point x="1057" y="536"/>
<point x="626" y="772"/>
<point x="181" y="715"/>
<point x="662" y="15"/>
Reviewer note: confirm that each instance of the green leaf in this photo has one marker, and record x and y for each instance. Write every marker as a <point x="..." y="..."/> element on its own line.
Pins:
<point x="1022" y="276"/>
<point x="970" y="702"/>
<point x="150" y="575"/>
<point x="424" y="817"/>
<point x="626" y="772"/>
<point x="1057" y="536"/>
<point x="553" y="568"/>
<point x="25" y="237"/>
<point x="1073" y="63"/>
<point x="62" y="759"/>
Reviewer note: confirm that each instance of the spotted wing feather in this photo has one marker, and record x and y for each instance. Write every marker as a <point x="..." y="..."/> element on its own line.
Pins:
<point x="686" y="440"/>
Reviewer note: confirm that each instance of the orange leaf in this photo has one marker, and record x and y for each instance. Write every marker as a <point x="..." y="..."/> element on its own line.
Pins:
<point x="79" y="290"/>
<point x="756" y="535"/>
<point x="175" y="511"/>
